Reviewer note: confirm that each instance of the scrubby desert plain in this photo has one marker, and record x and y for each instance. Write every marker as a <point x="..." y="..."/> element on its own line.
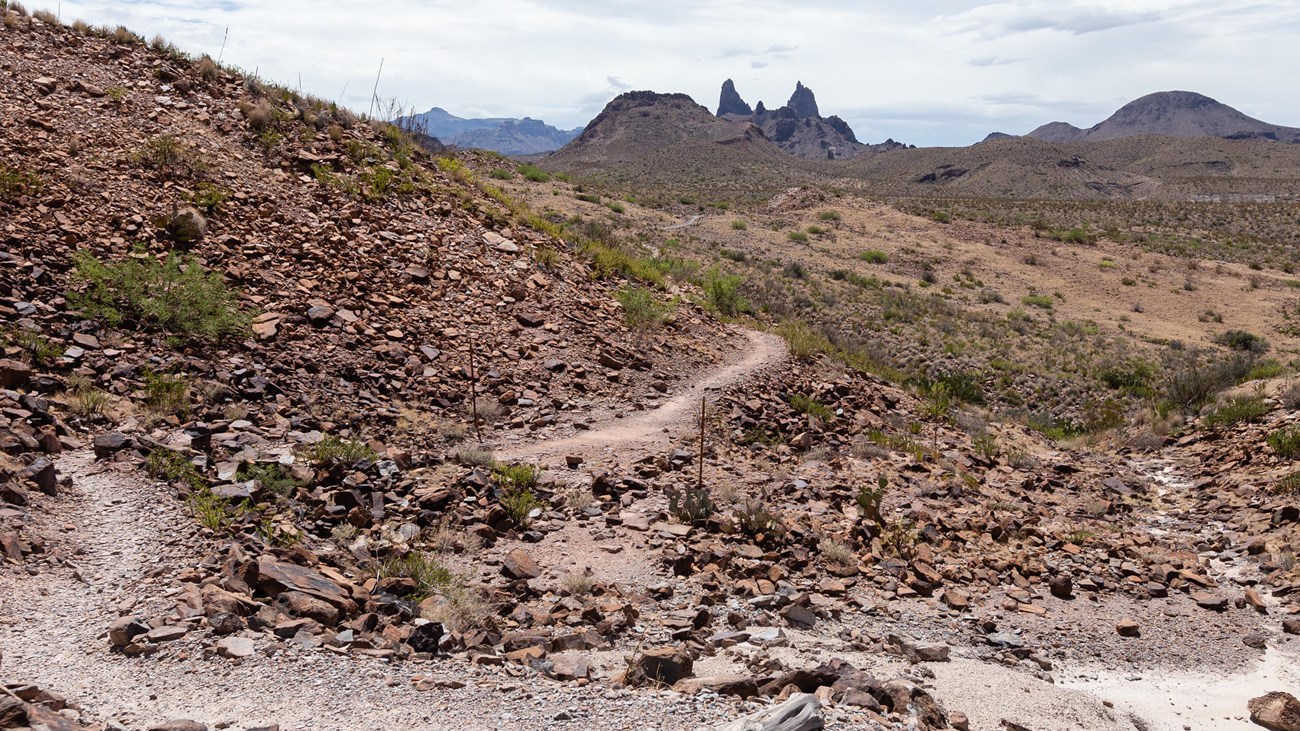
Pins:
<point x="310" y="424"/>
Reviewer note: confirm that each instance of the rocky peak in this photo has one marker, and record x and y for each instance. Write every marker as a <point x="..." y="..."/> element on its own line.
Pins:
<point x="730" y="102"/>
<point x="802" y="102"/>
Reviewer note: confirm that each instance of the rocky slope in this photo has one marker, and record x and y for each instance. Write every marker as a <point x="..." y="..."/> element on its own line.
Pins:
<point x="1172" y="113"/>
<point x="525" y="136"/>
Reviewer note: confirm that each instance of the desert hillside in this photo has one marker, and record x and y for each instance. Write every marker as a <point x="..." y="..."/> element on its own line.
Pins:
<point x="308" y="422"/>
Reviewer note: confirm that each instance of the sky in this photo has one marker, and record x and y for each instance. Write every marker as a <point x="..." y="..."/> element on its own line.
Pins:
<point x="938" y="72"/>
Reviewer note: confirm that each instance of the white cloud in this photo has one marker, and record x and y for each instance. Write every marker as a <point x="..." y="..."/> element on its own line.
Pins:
<point x="940" y="72"/>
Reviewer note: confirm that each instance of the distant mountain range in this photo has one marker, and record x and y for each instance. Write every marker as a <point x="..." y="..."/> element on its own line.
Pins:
<point x="1173" y="114"/>
<point x="508" y="136"/>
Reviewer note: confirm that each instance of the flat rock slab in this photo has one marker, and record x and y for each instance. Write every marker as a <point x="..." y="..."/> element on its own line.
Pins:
<point x="275" y="577"/>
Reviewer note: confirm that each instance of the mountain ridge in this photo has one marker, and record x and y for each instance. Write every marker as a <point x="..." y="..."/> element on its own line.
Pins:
<point x="1173" y="114"/>
<point x="506" y="135"/>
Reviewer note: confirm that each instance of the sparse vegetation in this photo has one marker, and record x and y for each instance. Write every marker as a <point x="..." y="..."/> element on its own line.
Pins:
<point x="874" y="256"/>
<point x="170" y="157"/>
<point x="640" y="308"/>
<point x="333" y="448"/>
<point x="1285" y="442"/>
<point x="175" y="296"/>
<point x="722" y="293"/>
<point x="15" y="183"/>
<point x="1237" y="409"/>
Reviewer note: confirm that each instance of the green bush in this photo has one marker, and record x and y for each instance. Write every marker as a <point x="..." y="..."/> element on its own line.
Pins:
<point x="807" y="405"/>
<point x="272" y="477"/>
<point x="1236" y="410"/>
<point x="798" y="237"/>
<point x="738" y="225"/>
<point x="208" y="196"/>
<point x="1286" y="442"/>
<point x="640" y="308"/>
<point x="534" y="174"/>
<point x="805" y="343"/>
<point x="169" y="156"/>
<point x="874" y="256"/>
<point x="500" y="174"/>
<point x="347" y="451"/>
<point x="1192" y="378"/>
<point x="430" y="577"/>
<point x="1241" y="340"/>
<point x="516" y="495"/>
<point x="1037" y="300"/>
<point x="15" y="183"/>
<point x="166" y="394"/>
<point x="175" y="296"/>
<point x="829" y="216"/>
<point x="722" y="293"/>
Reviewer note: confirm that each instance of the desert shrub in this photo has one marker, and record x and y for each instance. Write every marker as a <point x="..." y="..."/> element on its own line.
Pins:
<point x="829" y="216"/>
<point x="15" y="183"/>
<point x="1289" y="485"/>
<point x="804" y="341"/>
<point x="808" y="405"/>
<point x="795" y="270"/>
<point x="738" y="225"/>
<point x="640" y="308"/>
<point x="1264" y="370"/>
<point x="500" y="174"/>
<point x="798" y="237"/>
<point x="1286" y="442"/>
<point x="1192" y="378"/>
<point x="430" y="577"/>
<point x="534" y="174"/>
<point x="347" y="451"/>
<point x="175" y="296"/>
<point x="272" y="477"/>
<point x="169" y="156"/>
<point x="207" y="69"/>
<point x="1134" y="377"/>
<point x="209" y="197"/>
<point x="1037" y="300"/>
<point x="1242" y="341"/>
<point x="39" y="350"/>
<point x="941" y="217"/>
<point x="874" y="256"/>
<point x="166" y="393"/>
<point x="816" y="230"/>
<point x="516" y="494"/>
<point x="86" y="400"/>
<point x="722" y="293"/>
<point x="1236" y="410"/>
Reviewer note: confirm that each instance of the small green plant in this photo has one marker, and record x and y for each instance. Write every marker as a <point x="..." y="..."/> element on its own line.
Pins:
<point x="754" y="519"/>
<point x="616" y="207"/>
<point x="1037" y="300"/>
<point x="868" y="499"/>
<point x="691" y="505"/>
<point x="738" y="225"/>
<point x="533" y="174"/>
<point x="175" y="296"/>
<point x="807" y="405"/>
<point x="722" y="293"/>
<point x="829" y="216"/>
<point x="516" y="494"/>
<point x="900" y="537"/>
<point x="1286" y="442"/>
<point x="816" y="230"/>
<point x="874" y="256"/>
<point x="173" y="466"/>
<point x="1236" y="410"/>
<point x="986" y="446"/>
<point x="1080" y="536"/>
<point x="587" y="198"/>
<point x="347" y="451"/>
<point x="430" y="577"/>
<point x="500" y="174"/>
<point x="166" y="394"/>
<point x="15" y="183"/>
<point x="41" y="352"/>
<point x="86" y="400"/>
<point x="209" y="197"/>
<point x="169" y="156"/>
<point x="941" y="217"/>
<point x="640" y="308"/>
<point x="798" y="237"/>
<point x="272" y="477"/>
<point x="1289" y="485"/>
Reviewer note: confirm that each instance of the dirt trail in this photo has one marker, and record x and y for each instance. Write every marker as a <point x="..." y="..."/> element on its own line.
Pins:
<point x="656" y="428"/>
<point x="122" y="538"/>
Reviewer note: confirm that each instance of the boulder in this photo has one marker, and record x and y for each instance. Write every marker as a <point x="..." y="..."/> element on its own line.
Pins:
<point x="1276" y="711"/>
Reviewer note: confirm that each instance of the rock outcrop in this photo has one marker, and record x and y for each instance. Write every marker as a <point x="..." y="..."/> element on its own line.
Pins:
<point x="730" y="102"/>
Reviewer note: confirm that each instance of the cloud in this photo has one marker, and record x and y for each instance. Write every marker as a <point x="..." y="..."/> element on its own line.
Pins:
<point x="757" y="65"/>
<point x="991" y="22"/>
<point x="986" y="61"/>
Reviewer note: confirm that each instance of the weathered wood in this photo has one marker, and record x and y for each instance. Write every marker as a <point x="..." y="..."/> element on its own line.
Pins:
<point x="801" y="713"/>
